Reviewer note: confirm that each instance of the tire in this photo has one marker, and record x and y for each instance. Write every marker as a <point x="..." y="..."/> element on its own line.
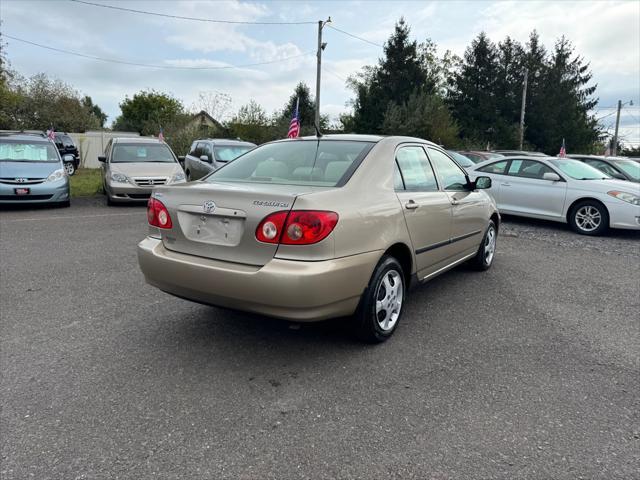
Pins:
<point x="487" y="249"/>
<point x="70" y="168"/>
<point x="110" y="202"/>
<point x="589" y="217"/>
<point x="381" y="304"/>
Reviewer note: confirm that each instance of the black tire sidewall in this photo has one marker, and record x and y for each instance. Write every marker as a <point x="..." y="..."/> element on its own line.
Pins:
<point x="604" y="215"/>
<point x="479" y="262"/>
<point x="368" y="327"/>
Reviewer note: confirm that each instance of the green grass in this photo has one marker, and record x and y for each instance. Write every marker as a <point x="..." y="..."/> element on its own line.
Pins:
<point x="86" y="182"/>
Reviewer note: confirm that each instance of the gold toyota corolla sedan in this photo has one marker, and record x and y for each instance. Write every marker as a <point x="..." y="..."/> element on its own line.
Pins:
<point x="314" y="228"/>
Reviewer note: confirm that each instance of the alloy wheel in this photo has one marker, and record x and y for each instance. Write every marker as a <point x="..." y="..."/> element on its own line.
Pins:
<point x="69" y="168"/>
<point x="588" y="218"/>
<point x="490" y="245"/>
<point x="389" y="296"/>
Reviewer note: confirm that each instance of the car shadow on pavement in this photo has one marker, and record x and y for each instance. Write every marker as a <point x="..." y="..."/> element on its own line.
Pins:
<point x="534" y="223"/>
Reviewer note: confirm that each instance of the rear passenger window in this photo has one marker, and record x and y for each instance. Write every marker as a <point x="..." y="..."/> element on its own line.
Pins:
<point x="528" y="169"/>
<point x="497" y="167"/>
<point x="416" y="169"/>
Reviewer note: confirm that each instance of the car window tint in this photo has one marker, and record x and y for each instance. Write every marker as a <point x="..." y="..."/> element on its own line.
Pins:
<point x="226" y="153"/>
<point x="141" y="152"/>
<point x="416" y="169"/>
<point x="600" y="165"/>
<point x="497" y="167"/>
<point x="528" y="169"/>
<point x="398" y="184"/>
<point x="452" y="176"/>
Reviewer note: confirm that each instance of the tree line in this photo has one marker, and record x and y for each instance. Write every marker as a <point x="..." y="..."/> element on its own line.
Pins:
<point x="472" y="101"/>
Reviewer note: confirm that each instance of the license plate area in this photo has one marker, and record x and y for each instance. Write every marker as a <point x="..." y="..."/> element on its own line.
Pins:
<point x="211" y="229"/>
<point x="22" y="191"/>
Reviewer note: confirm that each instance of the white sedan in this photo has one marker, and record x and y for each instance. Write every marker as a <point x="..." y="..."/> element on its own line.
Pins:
<point x="562" y="190"/>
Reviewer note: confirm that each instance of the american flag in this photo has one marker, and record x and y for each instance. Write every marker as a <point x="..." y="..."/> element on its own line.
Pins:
<point x="161" y="135"/>
<point x="294" y="126"/>
<point x="51" y="133"/>
<point x="563" y="150"/>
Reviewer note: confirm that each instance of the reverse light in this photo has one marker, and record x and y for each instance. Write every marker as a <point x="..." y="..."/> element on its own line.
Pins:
<point x="298" y="227"/>
<point x="625" y="197"/>
<point x="57" y="175"/>
<point x="157" y="214"/>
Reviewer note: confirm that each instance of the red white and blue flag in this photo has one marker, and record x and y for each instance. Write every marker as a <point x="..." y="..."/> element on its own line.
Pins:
<point x="294" y="126"/>
<point x="161" y="135"/>
<point x="51" y="133"/>
<point x="563" y="150"/>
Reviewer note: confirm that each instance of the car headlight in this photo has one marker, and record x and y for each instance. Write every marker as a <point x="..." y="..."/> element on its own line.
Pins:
<point x="57" y="175"/>
<point x="625" y="197"/>
<point x="177" y="178"/>
<point x="119" y="177"/>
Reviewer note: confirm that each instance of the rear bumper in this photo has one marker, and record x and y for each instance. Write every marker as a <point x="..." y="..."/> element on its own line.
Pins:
<point x="46" y="192"/>
<point x="293" y="290"/>
<point x="624" y="215"/>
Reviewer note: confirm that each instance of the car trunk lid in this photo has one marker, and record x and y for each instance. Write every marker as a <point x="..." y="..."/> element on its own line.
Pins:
<point x="218" y="220"/>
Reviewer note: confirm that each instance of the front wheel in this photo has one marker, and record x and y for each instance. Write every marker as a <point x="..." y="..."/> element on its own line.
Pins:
<point x="487" y="249"/>
<point x="381" y="304"/>
<point x="589" y="218"/>
<point x="70" y="168"/>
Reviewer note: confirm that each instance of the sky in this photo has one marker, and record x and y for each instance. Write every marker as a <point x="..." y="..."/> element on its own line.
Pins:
<point x="605" y="33"/>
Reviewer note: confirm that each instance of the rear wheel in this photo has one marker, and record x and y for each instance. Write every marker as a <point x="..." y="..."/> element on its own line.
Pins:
<point x="381" y="304"/>
<point x="589" y="218"/>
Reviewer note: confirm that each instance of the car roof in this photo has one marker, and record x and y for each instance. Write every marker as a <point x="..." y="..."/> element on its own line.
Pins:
<point x="136" y="140"/>
<point x="362" y="138"/>
<point x="520" y="152"/>
<point x="225" y="141"/>
<point x="31" y="137"/>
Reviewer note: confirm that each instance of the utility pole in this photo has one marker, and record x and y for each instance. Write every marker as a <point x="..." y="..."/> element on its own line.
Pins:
<point x="614" y="149"/>
<point x="524" y="102"/>
<point x="321" y="47"/>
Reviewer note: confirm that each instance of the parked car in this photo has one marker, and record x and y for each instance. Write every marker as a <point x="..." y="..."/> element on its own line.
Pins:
<point x="477" y="156"/>
<point x="314" y="228"/>
<point x="461" y="160"/>
<point x="131" y="167"/>
<point x="518" y="153"/>
<point x="68" y="151"/>
<point x="616" y="167"/>
<point x="205" y="156"/>
<point x="562" y="190"/>
<point x="31" y="170"/>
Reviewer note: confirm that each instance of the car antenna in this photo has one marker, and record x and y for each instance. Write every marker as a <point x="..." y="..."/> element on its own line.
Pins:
<point x="318" y="133"/>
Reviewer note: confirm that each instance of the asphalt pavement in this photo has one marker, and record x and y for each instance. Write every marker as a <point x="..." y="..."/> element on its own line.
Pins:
<point x="530" y="370"/>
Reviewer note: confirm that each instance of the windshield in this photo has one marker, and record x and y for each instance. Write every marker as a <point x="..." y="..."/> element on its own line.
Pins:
<point x="629" y="167"/>
<point x="578" y="170"/>
<point x="141" y="152"/>
<point x="300" y="162"/>
<point x="226" y="153"/>
<point x="461" y="159"/>
<point x="21" y="151"/>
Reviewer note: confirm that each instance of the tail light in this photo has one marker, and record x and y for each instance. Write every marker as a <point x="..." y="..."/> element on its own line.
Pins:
<point x="157" y="214"/>
<point x="298" y="227"/>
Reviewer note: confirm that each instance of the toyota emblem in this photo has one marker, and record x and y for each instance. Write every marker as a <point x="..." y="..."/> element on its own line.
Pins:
<point x="209" y="206"/>
<point x="21" y="180"/>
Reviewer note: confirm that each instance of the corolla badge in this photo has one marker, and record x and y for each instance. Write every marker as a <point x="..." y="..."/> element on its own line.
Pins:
<point x="208" y="206"/>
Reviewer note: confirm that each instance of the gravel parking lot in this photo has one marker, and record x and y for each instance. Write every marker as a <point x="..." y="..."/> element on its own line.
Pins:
<point x="530" y="370"/>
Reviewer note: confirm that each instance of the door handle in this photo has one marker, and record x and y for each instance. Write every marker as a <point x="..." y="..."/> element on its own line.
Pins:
<point x="454" y="201"/>
<point x="505" y="184"/>
<point x="411" y="205"/>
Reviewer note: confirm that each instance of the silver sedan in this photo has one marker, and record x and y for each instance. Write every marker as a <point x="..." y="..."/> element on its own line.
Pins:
<point x="562" y="190"/>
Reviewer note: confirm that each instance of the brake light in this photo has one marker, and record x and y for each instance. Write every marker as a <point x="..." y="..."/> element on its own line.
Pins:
<point x="298" y="227"/>
<point x="157" y="214"/>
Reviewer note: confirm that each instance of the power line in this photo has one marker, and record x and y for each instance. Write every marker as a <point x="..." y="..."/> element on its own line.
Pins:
<point x="328" y="70"/>
<point x="356" y="36"/>
<point x="148" y="65"/>
<point x="195" y="19"/>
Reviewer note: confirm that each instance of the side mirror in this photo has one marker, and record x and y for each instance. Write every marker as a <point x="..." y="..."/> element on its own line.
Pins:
<point x="551" y="176"/>
<point x="68" y="158"/>
<point x="204" y="158"/>
<point x="483" y="183"/>
<point x="102" y="158"/>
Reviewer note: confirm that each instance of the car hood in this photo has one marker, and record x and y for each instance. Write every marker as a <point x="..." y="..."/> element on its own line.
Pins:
<point x="28" y="169"/>
<point x="605" y="186"/>
<point x="146" y="169"/>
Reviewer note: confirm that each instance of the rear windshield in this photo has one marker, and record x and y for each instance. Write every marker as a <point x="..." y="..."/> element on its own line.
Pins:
<point x="136" y="152"/>
<point x="21" y="151"/>
<point x="301" y="162"/>
<point x="229" y="152"/>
